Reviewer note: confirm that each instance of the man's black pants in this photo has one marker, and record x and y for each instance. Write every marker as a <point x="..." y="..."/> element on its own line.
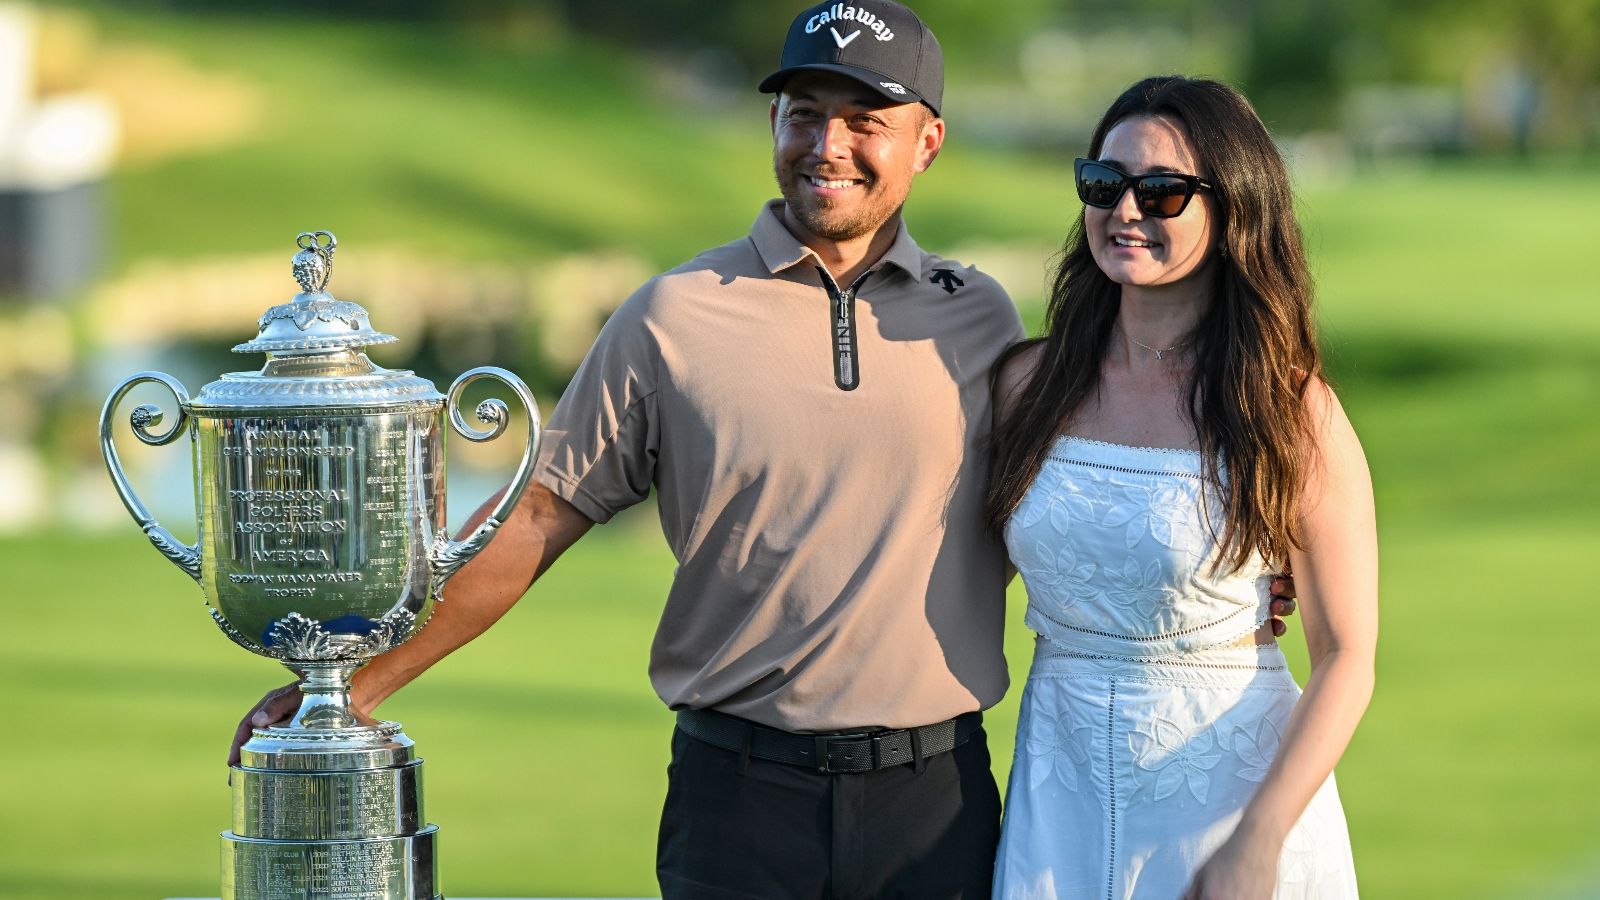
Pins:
<point x="774" y="831"/>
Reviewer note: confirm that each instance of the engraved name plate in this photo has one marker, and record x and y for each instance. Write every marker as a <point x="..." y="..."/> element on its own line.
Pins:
<point x="342" y="870"/>
<point x="317" y="806"/>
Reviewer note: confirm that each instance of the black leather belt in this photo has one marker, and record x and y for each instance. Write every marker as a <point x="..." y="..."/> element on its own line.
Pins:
<point x="829" y="753"/>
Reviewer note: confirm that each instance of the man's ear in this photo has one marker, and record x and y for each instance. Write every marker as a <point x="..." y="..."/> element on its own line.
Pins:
<point x="932" y="140"/>
<point x="772" y="115"/>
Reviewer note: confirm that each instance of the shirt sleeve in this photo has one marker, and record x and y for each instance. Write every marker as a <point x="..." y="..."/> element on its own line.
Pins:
<point x="600" y="446"/>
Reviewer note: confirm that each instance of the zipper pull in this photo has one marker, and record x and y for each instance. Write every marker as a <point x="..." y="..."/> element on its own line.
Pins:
<point x="846" y="354"/>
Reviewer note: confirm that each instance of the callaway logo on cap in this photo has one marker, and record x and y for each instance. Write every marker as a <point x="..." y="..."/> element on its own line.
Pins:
<point x="880" y="43"/>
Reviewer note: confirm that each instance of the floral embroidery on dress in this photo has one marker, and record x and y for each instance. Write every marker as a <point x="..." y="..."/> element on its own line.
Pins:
<point x="1067" y="501"/>
<point x="1144" y="591"/>
<point x="1255" y="751"/>
<point x="1173" y="758"/>
<point x="1162" y="511"/>
<point x="1057" y="744"/>
<point x="1066" y="579"/>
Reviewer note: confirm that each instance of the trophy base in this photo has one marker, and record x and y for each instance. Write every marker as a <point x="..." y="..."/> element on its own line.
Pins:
<point x="386" y="868"/>
<point x="329" y="814"/>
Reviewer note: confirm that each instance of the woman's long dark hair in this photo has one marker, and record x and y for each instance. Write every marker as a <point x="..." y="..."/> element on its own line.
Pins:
<point x="1254" y="351"/>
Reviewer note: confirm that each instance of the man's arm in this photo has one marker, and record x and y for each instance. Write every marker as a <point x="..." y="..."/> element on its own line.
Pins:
<point x="539" y="530"/>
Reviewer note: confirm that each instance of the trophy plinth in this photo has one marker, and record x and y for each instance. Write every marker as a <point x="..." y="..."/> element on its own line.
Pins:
<point x="320" y="494"/>
<point x="329" y="813"/>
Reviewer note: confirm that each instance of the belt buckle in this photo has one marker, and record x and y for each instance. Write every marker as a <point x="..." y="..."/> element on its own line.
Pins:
<point x="822" y="750"/>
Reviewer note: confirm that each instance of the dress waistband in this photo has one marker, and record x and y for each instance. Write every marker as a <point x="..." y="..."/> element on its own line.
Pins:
<point x="1246" y="663"/>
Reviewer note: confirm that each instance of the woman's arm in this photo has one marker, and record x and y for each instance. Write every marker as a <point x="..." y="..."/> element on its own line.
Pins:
<point x="1337" y="578"/>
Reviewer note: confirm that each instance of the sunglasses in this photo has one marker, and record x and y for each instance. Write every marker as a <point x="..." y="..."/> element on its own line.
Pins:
<point x="1162" y="195"/>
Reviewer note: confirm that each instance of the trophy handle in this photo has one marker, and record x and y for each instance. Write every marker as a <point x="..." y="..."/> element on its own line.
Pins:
<point x="184" y="556"/>
<point x="448" y="556"/>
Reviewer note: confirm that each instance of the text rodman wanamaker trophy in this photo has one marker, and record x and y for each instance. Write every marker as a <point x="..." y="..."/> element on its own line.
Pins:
<point x="320" y="487"/>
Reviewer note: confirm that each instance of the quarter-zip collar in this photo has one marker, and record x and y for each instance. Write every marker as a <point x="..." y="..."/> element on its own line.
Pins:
<point x="779" y="249"/>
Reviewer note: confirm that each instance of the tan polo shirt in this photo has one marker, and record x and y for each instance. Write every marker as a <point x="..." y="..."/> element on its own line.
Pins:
<point x="833" y="569"/>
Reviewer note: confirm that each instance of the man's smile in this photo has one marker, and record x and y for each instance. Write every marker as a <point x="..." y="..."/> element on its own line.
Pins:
<point x="832" y="186"/>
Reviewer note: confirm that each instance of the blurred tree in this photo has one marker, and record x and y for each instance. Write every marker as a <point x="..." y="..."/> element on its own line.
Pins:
<point x="388" y="9"/>
<point x="1540" y="58"/>
<point x="751" y="30"/>
<point x="970" y="31"/>
<point x="1291" y="72"/>
<point x="1286" y="54"/>
<point x="1558" y="41"/>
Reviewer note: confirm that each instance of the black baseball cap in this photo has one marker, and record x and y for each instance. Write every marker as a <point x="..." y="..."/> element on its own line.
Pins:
<point x="880" y="43"/>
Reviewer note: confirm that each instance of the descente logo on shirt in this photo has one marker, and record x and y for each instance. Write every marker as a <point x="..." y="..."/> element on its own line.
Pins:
<point x="839" y="12"/>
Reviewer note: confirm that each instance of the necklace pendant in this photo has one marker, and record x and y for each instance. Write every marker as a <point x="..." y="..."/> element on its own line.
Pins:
<point x="1158" y="354"/>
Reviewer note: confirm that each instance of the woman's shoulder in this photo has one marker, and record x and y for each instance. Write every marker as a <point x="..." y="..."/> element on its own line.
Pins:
<point x="1337" y="447"/>
<point x="1322" y="408"/>
<point x="1014" y="372"/>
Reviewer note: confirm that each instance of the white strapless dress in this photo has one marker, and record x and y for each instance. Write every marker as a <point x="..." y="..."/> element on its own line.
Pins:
<point x="1143" y="733"/>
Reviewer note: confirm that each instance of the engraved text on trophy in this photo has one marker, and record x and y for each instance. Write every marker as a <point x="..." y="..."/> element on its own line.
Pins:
<point x="318" y="515"/>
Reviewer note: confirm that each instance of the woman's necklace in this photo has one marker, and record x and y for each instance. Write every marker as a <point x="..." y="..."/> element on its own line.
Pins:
<point x="1154" y="350"/>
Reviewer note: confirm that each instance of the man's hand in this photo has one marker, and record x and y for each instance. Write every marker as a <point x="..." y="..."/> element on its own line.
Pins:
<point x="277" y="707"/>
<point x="1282" y="604"/>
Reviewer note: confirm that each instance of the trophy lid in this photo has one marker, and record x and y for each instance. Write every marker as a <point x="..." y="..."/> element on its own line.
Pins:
<point x="314" y="352"/>
<point x="314" y="320"/>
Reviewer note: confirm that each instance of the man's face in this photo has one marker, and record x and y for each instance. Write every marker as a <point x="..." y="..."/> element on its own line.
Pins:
<point x="843" y="156"/>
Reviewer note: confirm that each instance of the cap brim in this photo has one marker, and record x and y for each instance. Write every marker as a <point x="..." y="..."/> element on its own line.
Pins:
<point x="773" y="83"/>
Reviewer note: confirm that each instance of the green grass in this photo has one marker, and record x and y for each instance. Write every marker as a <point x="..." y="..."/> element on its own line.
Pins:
<point x="1462" y="332"/>
<point x="1466" y="253"/>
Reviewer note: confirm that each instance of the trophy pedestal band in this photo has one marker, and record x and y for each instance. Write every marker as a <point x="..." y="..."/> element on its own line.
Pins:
<point x="389" y="868"/>
<point x="322" y="806"/>
<point x="327" y="750"/>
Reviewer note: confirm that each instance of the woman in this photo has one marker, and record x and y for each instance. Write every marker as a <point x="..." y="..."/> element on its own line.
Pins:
<point x="1164" y="448"/>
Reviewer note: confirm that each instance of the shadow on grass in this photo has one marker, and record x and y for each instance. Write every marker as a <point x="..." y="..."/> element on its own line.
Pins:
<point x="1399" y="361"/>
<point x="459" y="201"/>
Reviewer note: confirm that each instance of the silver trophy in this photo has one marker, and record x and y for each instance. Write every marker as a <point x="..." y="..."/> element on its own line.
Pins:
<point x="320" y="487"/>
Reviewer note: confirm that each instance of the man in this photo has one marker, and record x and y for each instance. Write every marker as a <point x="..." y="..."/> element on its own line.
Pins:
<point x="810" y="403"/>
